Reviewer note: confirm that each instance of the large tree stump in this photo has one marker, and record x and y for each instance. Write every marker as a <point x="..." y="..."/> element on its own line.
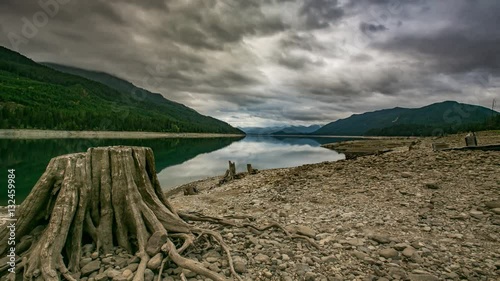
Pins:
<point x="110" y="196"/>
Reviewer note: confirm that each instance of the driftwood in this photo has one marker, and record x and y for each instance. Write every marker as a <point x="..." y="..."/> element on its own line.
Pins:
<point x="110" y="196"/>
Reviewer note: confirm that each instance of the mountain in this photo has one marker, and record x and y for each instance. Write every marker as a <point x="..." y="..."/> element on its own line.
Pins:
<point x="261" y="130"/>
<point x="297" y="130"/>
<point x="281" y="130"/>
<point x="442" y="117"/>
<point x="35" y="96"/>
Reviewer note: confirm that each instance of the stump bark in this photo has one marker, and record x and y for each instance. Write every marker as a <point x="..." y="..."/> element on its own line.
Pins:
<point x="110" y="196"/>
<point x="230" y="173"/>
<point x="251" y="170"/>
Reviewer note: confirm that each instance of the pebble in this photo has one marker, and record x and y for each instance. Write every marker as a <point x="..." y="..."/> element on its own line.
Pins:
<point x="388" y="253"/>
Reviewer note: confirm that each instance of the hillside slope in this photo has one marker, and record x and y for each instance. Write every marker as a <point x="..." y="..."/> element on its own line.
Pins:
<point x="446" y="115"/>
<point x="39" y="97"/>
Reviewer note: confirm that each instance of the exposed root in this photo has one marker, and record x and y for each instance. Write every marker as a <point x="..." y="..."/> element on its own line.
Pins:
<point x="216" y="220"/>
<point x="161" y="268"/>
<point x="64" y="271"/>
<point x="226" y="249"/>
<point x="110" y="196"/>
<point x="192" y="265"/>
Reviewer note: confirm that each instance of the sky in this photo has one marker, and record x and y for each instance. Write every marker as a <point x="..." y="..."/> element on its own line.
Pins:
<point x="273" y="62"/>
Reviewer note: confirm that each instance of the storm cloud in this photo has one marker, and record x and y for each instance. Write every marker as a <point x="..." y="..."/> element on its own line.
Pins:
<point x="273" y="62"/>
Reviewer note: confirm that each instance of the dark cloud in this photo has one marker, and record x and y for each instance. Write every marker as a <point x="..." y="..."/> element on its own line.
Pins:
<point x="368" y="28"/>
<point x="276" y="61"/>
<point x="320" y="13"/>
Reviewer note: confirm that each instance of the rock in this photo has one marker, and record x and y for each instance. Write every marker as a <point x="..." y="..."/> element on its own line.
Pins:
<point x="91" y="267"/>
<point x="155" y="262"/>
<point x="84" y="261"/>
<point x="94" y="255"/>
<point x="127" y="272"/>
<point x="496" y="211"/>
<point x="101" y="277"/>
<point x="112" y="273"/>
<point x="132" y="267"/>
<point x="493" y="204"/>
<point x="328" y="259"/>
<point x="359" y="255"/>
<point x="380" y="238"/>
<point x="302" y="230"/>
<point x="309" y="276"/>
<point x="188" y="273"/>
<point x="355" y="242"/>
<point x="155" y="242"/>
<point x="240" y="266"/>
<point x="261" y="258"/>
<point x="423" y="277"/>
<point x="388" y="253"/>
<point x="409" y="251"/>
<point x="431" y="185"/>
<point x="148" y="275"/>
<point x="88" y="248"/>
<point x="400" y="246"/>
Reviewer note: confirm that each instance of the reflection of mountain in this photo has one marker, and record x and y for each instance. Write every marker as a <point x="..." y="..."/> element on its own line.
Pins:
<point x="30" y="157"/>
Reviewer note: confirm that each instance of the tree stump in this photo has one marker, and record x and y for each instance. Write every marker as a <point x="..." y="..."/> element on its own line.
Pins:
<point x="230" y="173"/>
<point x="470" y="139"/>
<point x="190" y="190"/>
<point x="110" y="196"/>
<point x="250" y="170"/>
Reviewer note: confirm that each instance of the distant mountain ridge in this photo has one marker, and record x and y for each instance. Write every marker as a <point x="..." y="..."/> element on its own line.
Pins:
<point x="35" y="96"/>
<point x="445" y="115"/>
<point x="281" y="130"/>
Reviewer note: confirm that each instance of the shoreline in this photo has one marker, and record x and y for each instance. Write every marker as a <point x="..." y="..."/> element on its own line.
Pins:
<point x="403" y="215"/>
<point x="54" y="134"/>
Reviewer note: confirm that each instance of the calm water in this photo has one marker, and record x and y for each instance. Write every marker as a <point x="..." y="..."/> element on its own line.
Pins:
<point x="178" y="161"/>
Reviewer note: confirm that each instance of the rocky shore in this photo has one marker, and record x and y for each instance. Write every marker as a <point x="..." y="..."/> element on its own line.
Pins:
<point x="414" y="215"/>
<point x="408" y="215"/>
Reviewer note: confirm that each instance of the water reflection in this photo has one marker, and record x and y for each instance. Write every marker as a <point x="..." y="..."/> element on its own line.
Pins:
<point x="30" y="157"/>
<point x="178" y="161"/>
<point x="261" y="152"/>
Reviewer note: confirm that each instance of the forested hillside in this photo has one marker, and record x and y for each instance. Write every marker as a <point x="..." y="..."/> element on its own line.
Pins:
<point x="35" y="96"/>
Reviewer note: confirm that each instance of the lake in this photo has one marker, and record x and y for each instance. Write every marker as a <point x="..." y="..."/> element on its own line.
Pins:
<point x="178" y="160"/>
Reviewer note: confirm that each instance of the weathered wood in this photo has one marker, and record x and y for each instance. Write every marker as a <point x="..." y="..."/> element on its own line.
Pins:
<point x="251" y="170"/>
<point x="190" y="190"/>
<point x="470" y="139"/>
<point x="230" y="173"/>
<point x="439" y="146"/>
<point x="106" y="195"/>
<point x="232" y="170"/>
